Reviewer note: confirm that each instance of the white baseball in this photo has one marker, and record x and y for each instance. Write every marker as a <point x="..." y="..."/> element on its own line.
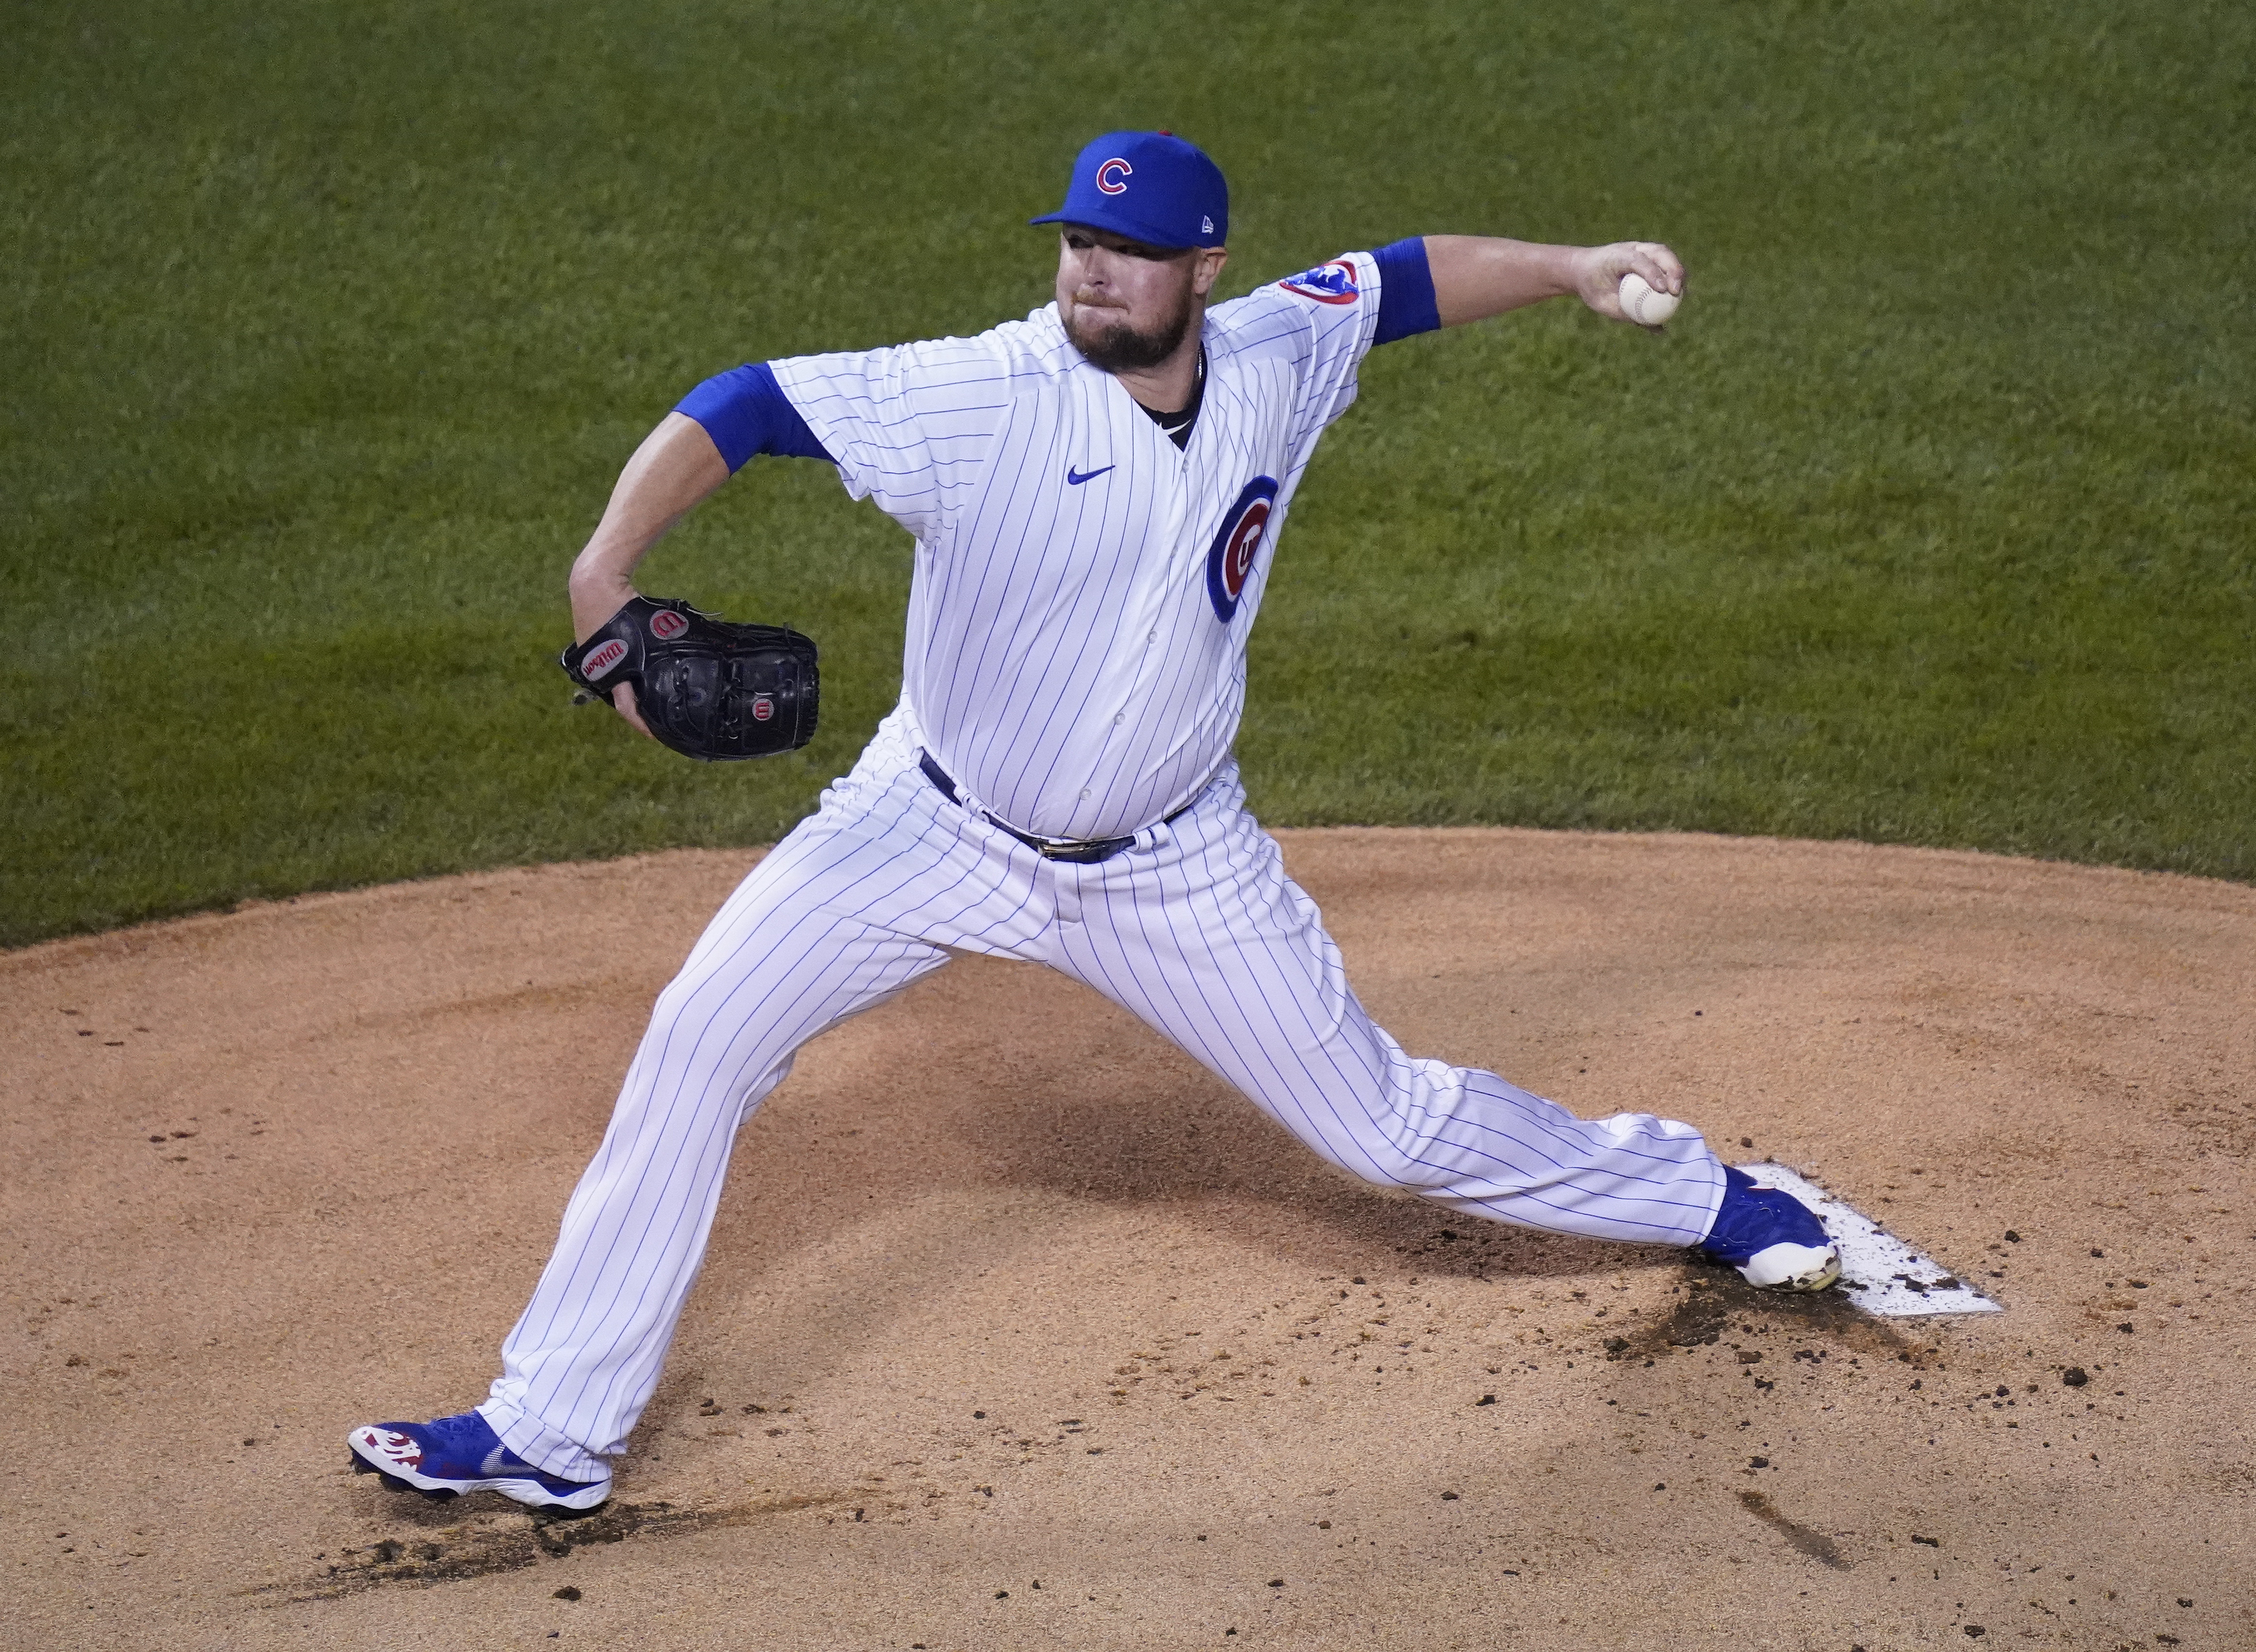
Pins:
<point x="1641" y="304"/>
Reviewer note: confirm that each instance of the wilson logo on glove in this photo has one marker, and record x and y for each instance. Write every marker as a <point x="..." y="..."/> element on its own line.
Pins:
<point x="708" y="688"/>
<point x="602" y="660"/>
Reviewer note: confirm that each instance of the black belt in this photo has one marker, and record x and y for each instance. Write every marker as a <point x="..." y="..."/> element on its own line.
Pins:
<point x="1081" y="851"/>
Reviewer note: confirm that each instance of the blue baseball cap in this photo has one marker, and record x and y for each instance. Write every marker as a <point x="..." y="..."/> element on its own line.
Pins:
<point x="1150" y="187"/>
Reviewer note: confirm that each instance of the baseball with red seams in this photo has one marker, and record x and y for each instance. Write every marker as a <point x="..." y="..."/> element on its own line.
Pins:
<point x="1644" y="305"/>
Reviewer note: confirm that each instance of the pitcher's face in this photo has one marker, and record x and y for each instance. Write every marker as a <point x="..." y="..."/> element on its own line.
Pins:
<point x="1126" y="305"/>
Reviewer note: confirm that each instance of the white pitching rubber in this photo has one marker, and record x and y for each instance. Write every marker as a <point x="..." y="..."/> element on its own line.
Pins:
<point x="1881" y="1273"/>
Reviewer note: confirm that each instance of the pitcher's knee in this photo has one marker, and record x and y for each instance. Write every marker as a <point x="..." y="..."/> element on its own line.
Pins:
<point x="707" y="1042"/>
<point x="1383" y="1161"/>
<point x="1400" y="1167"/>
<point x="709" y="1001"/>
<point x="1434" y="1128"/>
<point x="677" y="1024"/>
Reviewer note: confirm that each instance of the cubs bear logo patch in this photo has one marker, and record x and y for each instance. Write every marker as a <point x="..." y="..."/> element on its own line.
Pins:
<point x="1332" y="283"/>
<point x="1229" y="560"/>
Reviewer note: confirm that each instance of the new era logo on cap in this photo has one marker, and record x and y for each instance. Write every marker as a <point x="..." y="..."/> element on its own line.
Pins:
<point x="1150" y="187"/>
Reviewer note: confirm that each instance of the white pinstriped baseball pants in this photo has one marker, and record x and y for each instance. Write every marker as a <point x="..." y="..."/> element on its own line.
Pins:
<point x="1196" y="929"/>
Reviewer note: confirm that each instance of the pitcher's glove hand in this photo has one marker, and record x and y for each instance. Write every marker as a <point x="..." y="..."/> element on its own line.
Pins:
<point x="710" y="689"/>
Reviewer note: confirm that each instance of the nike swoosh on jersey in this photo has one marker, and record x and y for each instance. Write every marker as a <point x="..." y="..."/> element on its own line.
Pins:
<point x="1074" y="479"/>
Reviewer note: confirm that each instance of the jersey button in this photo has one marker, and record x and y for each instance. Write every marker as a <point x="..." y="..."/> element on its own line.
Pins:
<point x="1084" y="795"/>
<point x="1119" y="717"/>
<point x="1154" y="638"/>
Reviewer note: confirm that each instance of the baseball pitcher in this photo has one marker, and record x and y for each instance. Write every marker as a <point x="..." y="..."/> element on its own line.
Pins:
<point x="1097" y="492"/>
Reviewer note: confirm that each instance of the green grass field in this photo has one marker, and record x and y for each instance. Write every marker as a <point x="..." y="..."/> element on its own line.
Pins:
<point x="326" y="328"/>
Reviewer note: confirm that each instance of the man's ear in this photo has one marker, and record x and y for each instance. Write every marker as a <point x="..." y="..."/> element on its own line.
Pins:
<point x="1209" y="269"/>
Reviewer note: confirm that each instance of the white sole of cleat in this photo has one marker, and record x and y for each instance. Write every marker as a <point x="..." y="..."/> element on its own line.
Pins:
<point x="370" y="1458"/>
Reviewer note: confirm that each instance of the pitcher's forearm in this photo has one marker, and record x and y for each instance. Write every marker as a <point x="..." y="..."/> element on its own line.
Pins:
<point x="1475" y="277"/>
<point x="676" y="468"/>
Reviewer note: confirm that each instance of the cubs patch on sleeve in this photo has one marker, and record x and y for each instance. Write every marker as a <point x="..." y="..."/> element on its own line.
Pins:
<point x="1340" y="299"/>
<point x="1332" y="283"/>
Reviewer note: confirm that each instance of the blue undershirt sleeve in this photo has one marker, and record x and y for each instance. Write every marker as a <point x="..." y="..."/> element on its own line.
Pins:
<point x="746" y="413"/>
<point x="1405" y="290"/>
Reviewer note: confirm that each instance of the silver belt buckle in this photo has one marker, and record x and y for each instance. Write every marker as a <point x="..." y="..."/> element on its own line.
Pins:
<point x="1058" y="847"/>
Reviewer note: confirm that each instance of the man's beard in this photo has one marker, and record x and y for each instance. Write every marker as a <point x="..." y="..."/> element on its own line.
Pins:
<point x="1116" y="347"/>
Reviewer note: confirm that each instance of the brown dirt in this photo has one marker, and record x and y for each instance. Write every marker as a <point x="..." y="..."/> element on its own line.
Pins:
<point x="275" y="1172"/>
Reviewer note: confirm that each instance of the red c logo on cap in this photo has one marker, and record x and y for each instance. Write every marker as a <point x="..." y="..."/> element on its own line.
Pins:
<point x="1110" y="175"/>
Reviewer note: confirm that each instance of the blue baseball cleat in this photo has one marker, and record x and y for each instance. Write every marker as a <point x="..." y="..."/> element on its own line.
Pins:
<point x="448" y="1456"/>
<point x="1775" y="1240"/>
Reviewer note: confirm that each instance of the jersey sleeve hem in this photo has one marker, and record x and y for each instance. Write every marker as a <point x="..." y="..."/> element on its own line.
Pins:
<point x="745" y="412"/>
<point x="1407" y="304"/>
<point x="801" y="379"/>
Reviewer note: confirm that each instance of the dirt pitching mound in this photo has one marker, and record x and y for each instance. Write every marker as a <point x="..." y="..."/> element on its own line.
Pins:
<point x="1019" y="1330"/>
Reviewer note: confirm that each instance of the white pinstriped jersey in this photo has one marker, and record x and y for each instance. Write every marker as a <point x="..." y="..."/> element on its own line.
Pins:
<point x="1076" y="656"/>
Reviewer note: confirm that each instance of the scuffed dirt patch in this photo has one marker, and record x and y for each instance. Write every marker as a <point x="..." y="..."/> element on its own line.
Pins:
<point x="522" y="1540"/>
